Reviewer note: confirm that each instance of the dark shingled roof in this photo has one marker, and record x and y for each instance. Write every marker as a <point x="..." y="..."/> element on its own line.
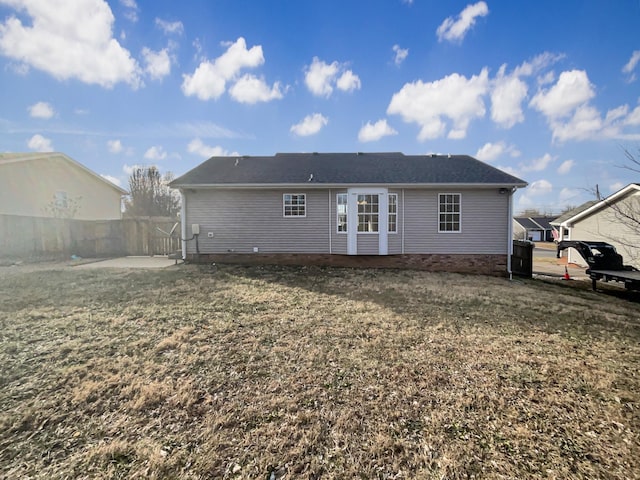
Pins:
<point x="527" y="223"/>
<point x="346" y="169"/>
<point x="574" y="212"/>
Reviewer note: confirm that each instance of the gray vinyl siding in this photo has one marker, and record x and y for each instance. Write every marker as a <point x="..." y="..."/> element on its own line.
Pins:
<point x="246" y="218"/>
<point x="484" y="223"/>
<point x="243" y="219"/>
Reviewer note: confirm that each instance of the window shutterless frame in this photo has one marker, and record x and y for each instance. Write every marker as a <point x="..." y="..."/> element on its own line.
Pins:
<point x="294" y="205"/>
<point x="342" y="224"/>
<point x="449" y="213"/>
<point x="393" y="212"/>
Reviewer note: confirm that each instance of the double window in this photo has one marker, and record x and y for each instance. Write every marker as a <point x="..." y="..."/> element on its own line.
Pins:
<point x="294" y="205"/>
<point x="449" y="212"/>
<point x="368" y="212"/>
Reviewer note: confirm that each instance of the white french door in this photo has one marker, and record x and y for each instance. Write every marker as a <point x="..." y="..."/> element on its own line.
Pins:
<point x="367" y="216"/>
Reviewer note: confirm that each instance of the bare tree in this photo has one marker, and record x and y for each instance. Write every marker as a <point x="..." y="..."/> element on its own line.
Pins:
<point x="150" y="195"/>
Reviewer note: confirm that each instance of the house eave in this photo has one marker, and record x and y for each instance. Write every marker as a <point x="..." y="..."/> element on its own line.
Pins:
<point x="311" y="185"/>
<point x="20" y="158"/>
<point x="598" y="206"/>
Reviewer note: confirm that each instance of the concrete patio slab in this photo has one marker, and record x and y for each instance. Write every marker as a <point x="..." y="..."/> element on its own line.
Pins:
<point x="131" y="262"/>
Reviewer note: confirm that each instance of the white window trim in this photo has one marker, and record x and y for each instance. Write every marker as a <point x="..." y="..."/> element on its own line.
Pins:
<point x="284" y="210"/>
<point x="346" y="204"/>
<point x="459" y="214"/>
<point x="389" y="195"/>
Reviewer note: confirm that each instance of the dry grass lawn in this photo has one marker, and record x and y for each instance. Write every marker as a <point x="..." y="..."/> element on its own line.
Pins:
<point x="302" y="373"/>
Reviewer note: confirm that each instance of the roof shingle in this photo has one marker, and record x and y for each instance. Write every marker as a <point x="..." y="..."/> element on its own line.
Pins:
<point x="346" y="169"/>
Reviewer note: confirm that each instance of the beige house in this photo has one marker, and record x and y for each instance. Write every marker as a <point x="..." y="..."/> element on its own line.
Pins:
<point x="615" y="220"/>
<point x="55" y="185"/>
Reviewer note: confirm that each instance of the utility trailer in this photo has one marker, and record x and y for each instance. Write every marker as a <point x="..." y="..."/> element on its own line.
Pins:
<point x="604" y="263"/>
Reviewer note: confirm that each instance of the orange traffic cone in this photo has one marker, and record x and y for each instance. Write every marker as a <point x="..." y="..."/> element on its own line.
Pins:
<point x="566" y="274"/>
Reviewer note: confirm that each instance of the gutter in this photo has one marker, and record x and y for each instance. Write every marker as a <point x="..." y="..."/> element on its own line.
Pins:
<point x="314" y="185"/>
<point x="183" y="226"/>
<point x="510" y="234"/>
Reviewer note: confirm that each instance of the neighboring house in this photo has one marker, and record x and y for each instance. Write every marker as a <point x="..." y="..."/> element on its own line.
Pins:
<point x="535" y="229"/>
<point x="55" y="185"/>
<point x="614" y="220"/>
<point x="435" y="212"/>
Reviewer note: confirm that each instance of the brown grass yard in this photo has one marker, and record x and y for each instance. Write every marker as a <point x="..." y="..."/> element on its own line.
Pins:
<point x="274" y="373"/>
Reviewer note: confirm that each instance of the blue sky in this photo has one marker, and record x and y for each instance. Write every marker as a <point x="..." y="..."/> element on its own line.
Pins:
<point x="545" y="90"/>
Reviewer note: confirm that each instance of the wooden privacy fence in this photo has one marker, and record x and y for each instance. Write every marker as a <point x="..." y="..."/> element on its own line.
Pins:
<point x="24" y="237"/>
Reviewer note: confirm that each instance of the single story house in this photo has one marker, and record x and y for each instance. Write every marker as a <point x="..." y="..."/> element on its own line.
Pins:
<point x="614" y="220"/>
<point x="437" y="212"/>
<point x="55" y="185"/>
<point x="535" y="229"/>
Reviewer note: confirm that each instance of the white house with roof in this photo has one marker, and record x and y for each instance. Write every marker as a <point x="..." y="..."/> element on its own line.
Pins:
<point x="614" y="220"/>
<point x="438" y="212"/>
<point x="55" y="185"/>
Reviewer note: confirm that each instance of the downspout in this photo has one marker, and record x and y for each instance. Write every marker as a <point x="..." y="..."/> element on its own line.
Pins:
<point x="510" y="234"/>
<point x="330" y="249"/>
<point x="402" y="243"/>
<point x="183" y="221"/>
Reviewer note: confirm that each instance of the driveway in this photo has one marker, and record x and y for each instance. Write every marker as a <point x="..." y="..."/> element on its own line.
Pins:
<point x="130" y="262"/>
<point x="546" y="263"/>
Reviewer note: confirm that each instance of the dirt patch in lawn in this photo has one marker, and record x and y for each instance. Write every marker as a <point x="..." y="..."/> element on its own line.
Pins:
<point x="273" y="373"/>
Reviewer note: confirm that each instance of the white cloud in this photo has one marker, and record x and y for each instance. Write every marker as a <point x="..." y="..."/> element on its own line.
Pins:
<point x="40" y="144"/>
<point x="506" y="99"/>
<point x="614" y="187"/>
<point x="129" y="169"/>
<point x="454" y="97"/>
<point x="114" y="180"/>
<point x="509" y="90"/>
<point x="634" y="117"/>
<point x="571" y="117"/>
<point x="41" y="110"/>
<point x="320" y="78"/>
<point x="115" y="146"/>
<point x="538" y="164"/>
<point x="454" y="30"/>
<point x="157" y="64"/>
<point x="198" y="147"/>
<point x="348" y="82"/>
<point x="490" y="151"/>
<point x="547" y="78"/>
<point x="131" y="13"/>
<point x="169" y="28"/>
<point x="251" y="89"/>
<point x="155" y="153"/>
<point x="69" y="40"/>
<point x="210" y="79"/>
<point x="401" y="54"/>
<point x="21" y="69"/>
<point x="566" y="166"/>
<point x="631" y="65"/>
<point x="373" y="132"/>
<point x="584" y="124"/>
<point x="539" y="188"/>
<point x="568" y="195"/>
<point x="572" y="90"/>
<point x="310" y="125"/>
